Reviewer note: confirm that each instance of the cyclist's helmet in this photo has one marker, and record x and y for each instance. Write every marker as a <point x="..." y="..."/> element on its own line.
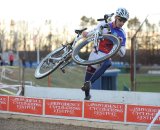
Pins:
<point x="122" y="12"/>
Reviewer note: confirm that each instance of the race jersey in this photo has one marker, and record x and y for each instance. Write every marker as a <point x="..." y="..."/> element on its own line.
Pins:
<point x="105" y="45"/>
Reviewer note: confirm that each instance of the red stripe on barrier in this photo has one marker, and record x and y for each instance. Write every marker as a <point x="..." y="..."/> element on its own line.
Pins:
<point x="3" y="103"/>
<point x="104" y="111"/>
<point x="63" y="108"/>
<point x="142" y="114"/>
<point x="26" y="105"/>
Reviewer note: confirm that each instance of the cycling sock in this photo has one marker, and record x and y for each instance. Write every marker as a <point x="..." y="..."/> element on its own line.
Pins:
<point x="87" y="78"/>
<point x="92" y="74"/>
<point x="89" y="73"/>
<point x="87" y="93"/>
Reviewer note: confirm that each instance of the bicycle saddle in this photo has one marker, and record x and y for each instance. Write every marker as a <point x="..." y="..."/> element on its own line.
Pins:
<point x="80" y="31"/>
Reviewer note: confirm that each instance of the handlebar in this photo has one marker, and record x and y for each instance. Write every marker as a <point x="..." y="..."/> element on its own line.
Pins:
<point x="94" y="32"/>
<point x="106" y="16"/>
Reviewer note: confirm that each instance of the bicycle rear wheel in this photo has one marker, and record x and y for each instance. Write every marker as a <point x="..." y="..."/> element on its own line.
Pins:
<point x="50" y="63"/>
<point x="81" y="60"/>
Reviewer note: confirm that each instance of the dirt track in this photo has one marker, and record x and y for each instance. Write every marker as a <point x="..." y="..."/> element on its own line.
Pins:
<point x="26" y="122"/>
<point x="18" y="124"/>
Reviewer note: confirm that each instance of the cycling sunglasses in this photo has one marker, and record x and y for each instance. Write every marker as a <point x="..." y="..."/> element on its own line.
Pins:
<point x="122" y="19"/>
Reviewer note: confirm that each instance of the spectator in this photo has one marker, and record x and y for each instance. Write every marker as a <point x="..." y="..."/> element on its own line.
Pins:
<point x="1" y="61"/>
<point x="11" y="58"/>
<point x="24" y="61"/>
<point x="30" y="63"/>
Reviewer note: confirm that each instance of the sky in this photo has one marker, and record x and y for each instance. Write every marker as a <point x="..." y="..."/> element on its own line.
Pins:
<point x="69" y="12"/>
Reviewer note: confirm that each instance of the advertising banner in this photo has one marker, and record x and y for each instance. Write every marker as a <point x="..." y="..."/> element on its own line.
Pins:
<point x="3" y="103"/>
<point x="104" y="111"/>
<point x="142" y="114"/>
<point x="25" y="105"/>
<point x="63" y="108"/>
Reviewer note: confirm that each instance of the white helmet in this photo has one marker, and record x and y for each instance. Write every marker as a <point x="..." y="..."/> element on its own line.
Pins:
<point x="122" y="12"/>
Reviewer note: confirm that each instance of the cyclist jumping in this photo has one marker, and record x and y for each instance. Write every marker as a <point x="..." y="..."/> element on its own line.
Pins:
<point x="93" y="72"/>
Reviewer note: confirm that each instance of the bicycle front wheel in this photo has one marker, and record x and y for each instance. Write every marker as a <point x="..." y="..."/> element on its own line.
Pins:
<point x="88" y="43"/>
<point x="50" y="63"/>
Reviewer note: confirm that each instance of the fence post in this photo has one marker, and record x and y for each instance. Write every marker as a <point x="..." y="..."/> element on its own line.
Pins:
<point x="133" y="57"/>
<point x="133" y="64"/>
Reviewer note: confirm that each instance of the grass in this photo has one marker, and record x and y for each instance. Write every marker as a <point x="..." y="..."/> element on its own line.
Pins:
<point x="74" y="77"/>
<point x="144" y="82"/>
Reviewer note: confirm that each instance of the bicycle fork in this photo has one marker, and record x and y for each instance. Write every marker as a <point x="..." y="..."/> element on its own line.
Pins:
<point x="96" y="41"/>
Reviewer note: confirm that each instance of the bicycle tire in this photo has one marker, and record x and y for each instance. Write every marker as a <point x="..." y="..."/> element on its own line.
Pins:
<point x="77" y="59"/>
<point x="52" y="60"/>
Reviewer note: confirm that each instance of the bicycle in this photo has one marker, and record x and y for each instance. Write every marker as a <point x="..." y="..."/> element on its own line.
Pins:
<point x="64" y="55"/>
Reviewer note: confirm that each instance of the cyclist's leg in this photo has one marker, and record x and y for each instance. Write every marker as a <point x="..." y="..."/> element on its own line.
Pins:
<point x="93" y="72"/>
<point x="89" y="73"/>
<point x="104" y="66"/>
<point x="91" y="78"/>
<point x="92" y="68"/>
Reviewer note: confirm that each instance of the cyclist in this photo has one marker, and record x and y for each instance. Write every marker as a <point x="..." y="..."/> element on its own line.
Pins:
<point x="93" y="72"/>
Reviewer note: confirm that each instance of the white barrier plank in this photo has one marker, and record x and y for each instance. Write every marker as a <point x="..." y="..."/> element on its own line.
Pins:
<point x="127" y="97"/>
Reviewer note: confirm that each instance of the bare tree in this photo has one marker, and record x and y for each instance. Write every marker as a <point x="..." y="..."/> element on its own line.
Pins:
<point x="86" y="22"/>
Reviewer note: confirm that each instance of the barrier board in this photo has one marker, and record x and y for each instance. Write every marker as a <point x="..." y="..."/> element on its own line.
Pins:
<point x="25" y="105"/>
<point x="63" y="108"/>
<point x="4" y="103"/>
<point x="88" y="110"/>
<point x="104" y="111"/>
<point x="142" y="114"/>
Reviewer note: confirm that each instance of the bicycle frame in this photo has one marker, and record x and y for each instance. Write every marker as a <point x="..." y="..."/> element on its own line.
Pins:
<point x="64" y="54"/>
<point x="95" y="32"/>
<point x="66" y="58"/>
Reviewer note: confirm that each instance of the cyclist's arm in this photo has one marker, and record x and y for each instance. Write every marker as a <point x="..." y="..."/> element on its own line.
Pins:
<point x="86" y="34"/>
<point x="122" y="51"/>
